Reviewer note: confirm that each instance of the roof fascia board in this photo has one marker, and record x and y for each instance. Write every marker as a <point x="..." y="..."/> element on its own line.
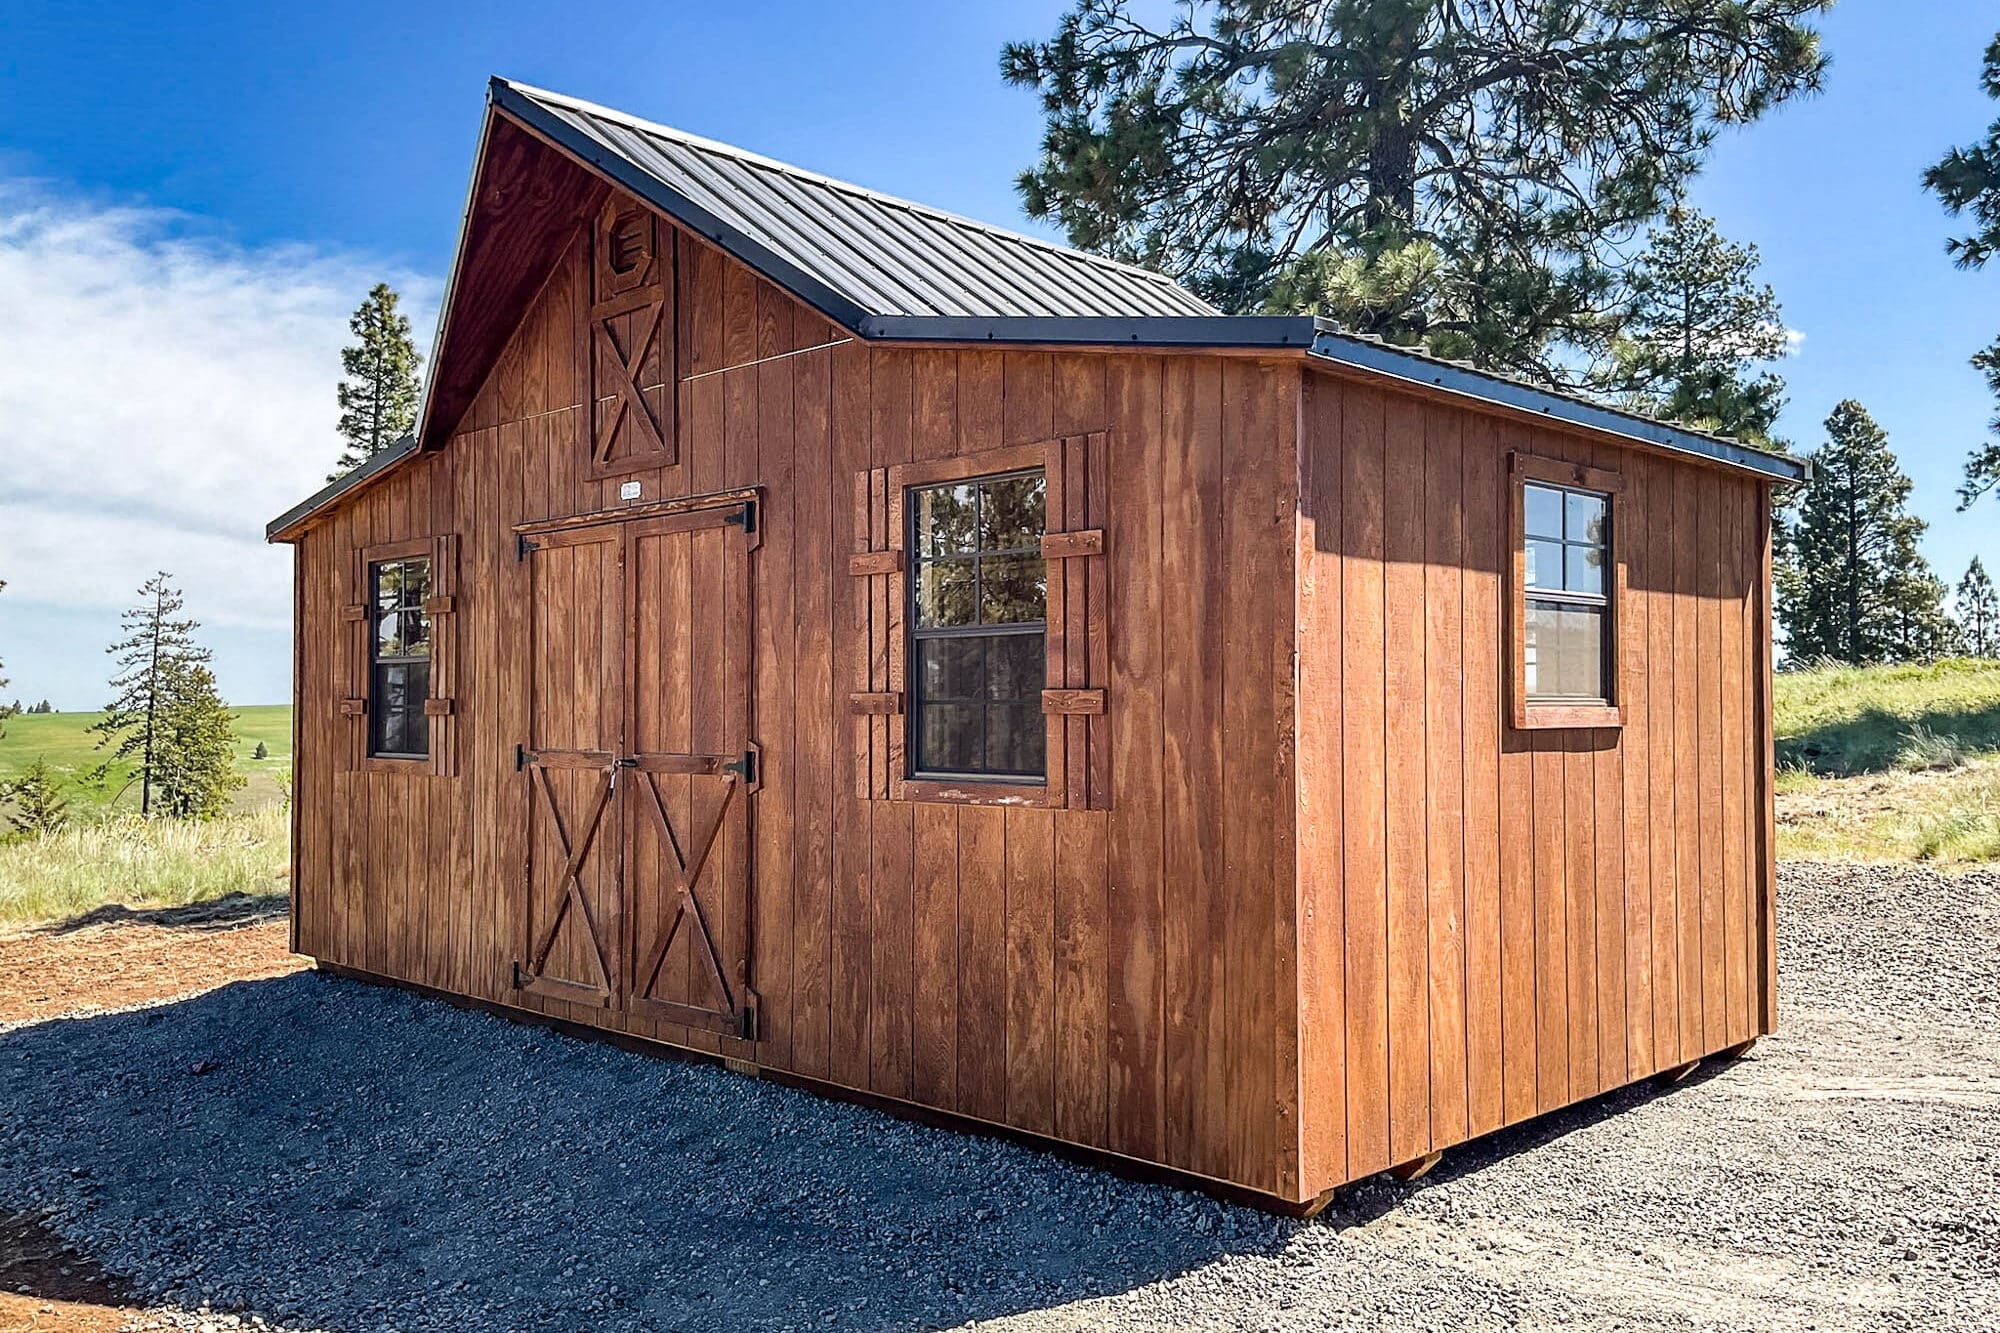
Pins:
<point x="615" y="168"/>
<point x="1381" y="359"/>
<point x="1276" y="332"/>
<point x="423" y="417"/>
<point x="286" y="525"/>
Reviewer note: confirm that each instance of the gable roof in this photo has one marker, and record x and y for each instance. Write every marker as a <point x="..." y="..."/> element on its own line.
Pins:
<point x="884" y="269"/>
<point x="851" y="253"/>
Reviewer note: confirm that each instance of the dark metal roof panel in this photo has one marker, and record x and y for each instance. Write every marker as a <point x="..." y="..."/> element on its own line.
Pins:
<point x="882" y="255"/>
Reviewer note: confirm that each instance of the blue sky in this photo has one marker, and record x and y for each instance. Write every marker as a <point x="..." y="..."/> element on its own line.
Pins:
<point x="191" y="186"/>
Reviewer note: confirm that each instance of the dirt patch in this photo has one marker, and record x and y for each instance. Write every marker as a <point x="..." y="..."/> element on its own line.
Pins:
<point x="116" y="957"/>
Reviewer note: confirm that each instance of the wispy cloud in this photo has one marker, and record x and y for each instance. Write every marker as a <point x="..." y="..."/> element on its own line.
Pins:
<point x="163" y="393"/>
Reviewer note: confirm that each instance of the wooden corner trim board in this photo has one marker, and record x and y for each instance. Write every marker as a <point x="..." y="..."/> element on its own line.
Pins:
<point x="1522" y="714"/>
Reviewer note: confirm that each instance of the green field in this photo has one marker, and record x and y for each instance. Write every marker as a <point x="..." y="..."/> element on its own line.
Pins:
<point x="1890" y="763"/>
<point x="67" y="743"/>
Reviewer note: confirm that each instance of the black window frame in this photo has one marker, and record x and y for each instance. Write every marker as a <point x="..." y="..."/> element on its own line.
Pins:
<point x="917" y="633"/>
<point x="411" y="710"/>
<point x="1601" y="601"/>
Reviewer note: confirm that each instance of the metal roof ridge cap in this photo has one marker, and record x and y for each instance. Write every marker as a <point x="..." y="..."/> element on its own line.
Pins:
<point x="833" y="182"/>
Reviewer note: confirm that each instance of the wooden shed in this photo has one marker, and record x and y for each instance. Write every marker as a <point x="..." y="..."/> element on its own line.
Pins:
<point x="911" y="658"/>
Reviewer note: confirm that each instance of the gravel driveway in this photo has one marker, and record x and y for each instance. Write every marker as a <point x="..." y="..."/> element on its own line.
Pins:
<point x="328" y="1155"/>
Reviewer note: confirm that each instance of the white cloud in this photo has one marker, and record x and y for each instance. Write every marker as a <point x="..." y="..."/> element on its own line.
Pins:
<point x="163" y="393"/>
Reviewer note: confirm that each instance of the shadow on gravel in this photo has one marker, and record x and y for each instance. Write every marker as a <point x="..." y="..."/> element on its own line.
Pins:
<point x="224" y="913"/>
<point x="339" y="1156"/>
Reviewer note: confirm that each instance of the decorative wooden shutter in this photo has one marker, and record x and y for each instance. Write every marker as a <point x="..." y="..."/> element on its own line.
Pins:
<point x="354" y="656"/>
<point x="626" y="342"/>
<point x="442" y="707"/>
<point x="876" y="704"/>
<point x="1079" y="621"/>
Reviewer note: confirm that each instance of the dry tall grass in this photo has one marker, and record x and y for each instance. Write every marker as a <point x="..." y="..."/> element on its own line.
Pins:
<point x="132" y="861"/>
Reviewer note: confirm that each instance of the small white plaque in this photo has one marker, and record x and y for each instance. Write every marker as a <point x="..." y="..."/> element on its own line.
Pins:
<point x="629" y="490"/>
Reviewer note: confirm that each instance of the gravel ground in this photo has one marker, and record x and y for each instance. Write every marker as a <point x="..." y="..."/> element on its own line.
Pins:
<point x="321" y="1154"/>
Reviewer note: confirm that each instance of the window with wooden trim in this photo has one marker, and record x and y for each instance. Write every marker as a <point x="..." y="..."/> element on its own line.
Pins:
<point x="400" y="675"/>
<point x="980" y="644"/>
<point x="1564" y="596"/>
<point x="978" y="625"/>
<point x="400" y="657"/>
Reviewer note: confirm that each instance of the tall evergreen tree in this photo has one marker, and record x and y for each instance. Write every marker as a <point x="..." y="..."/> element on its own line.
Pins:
<point x="1854" y="586"/>
<point x="378" y="397"/>
<point x="39" y="807"/>
<point x="1978" y="612"/>
<point x="158" y="643"/>
<point x="196" y="756"/>
<point x="1967" y="181"/>
<point x="1426" y="170"/>
<point x="1699" y="324"/>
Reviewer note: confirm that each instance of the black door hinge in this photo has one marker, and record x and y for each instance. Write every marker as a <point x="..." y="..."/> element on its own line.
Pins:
<point x="744" y="518"/>
<point x="747" y="766"/>
<point x="522" y="757"/>
<point x="517" y="974"/>
<point x="522" y="546"/>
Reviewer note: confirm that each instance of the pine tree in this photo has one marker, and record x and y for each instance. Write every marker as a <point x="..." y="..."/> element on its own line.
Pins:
<point x="1699" y="321"/>
<point x="39" y="805"/>
<point x="1978" y="612"/>
<point x="1854" y="586"/>
<point x="157" y="645"/>
<point x="1424" y="170"/>
<point x="378" y="397"/>
<point x="262" y="751"/>
<point x="1967" y="180"/>
<point x="196" y="759"/>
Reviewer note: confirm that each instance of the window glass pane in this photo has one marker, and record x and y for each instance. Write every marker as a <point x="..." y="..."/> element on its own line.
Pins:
<point x="1016" y="735"/>
<point x="949" y="738"/>
<point x="1585" y="517"/>
<point x="1586" y="569"/>
<point x="416" y="634"/>
<point x="389" y="634"/>
<point x="417" y="727"/>
<point x="1545" y="565"/>
<point x="1013" y="588"/>
<point x="945" y="593"/>
<point x="1564" y="651"/>
<point x="1016" y="667"/>
<point x="945" y="520"/>
<point x="1542" y="511"/>
<point x="1011" y="514"/>
<point x="389" y="585"/>
<point x="952" y="668"/>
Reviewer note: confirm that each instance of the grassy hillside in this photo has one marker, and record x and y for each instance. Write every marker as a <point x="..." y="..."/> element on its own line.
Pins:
<point x="1890" y="763"/>
<point x="66" y="741"/>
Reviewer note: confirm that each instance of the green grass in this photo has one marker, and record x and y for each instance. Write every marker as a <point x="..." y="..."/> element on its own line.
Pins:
<point x="1890" y="763"/>
<point x="1848" y="720"/>
<point x="66" y="741"/>
<point x="141" y="863"/>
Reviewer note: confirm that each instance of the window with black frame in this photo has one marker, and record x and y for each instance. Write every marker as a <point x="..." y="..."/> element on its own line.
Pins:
<point x="978" y="608"/>
<point x="1567" y="638"/>
<point x="401" y="682"/>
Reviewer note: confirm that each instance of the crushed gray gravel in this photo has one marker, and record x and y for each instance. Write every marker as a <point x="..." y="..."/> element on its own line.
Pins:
<point x="320" y="1154"/>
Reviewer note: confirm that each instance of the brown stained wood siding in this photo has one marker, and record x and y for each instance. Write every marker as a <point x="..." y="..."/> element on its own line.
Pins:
<point x="1119" y="977"/>
<point x="1336" y="912"/>
<point x="1492" y="922"/>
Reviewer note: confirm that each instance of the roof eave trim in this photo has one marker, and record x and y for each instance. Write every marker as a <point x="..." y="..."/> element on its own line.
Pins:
<point x="1259" y="331"/>
<point x="644" y="185"/>
<point x="1381" y="359"/>
<point x="285" y="525"/>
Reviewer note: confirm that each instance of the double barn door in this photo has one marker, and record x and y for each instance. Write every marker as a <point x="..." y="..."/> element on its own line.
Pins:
<point x="639" y="767"/>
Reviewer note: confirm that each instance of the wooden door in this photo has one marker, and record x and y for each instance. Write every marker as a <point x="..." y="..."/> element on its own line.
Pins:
<point x="576" y="703"/>
<point x="691" y="768"/>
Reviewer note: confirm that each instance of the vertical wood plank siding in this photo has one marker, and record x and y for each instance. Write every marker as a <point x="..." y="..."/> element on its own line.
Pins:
<point x="1334" y="914"/>
<point x="1019" y="966"/>
<point x="1492" y="922"/>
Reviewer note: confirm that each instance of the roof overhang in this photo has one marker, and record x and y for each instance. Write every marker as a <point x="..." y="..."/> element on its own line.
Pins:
<point x="289" y="524"/>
